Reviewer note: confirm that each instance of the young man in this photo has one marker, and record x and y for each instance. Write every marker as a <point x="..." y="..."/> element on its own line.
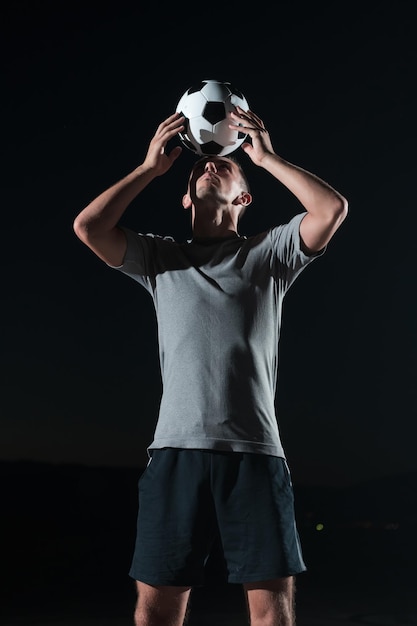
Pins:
<point x="217" y="467"/>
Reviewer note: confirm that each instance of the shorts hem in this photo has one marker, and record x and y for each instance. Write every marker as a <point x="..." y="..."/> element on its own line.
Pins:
<point x="254" y="578"/>
<point x="162" y="581"/>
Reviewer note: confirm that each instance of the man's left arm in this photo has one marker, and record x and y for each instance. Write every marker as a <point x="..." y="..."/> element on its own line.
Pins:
<point x="326" y="208"/>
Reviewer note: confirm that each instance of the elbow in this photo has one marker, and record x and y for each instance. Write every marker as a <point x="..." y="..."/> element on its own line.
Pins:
<point x="345" y="206"/>
<point x="341" y="210"/>
<point x="80" y="228"/>
<point x="84" y="229"/>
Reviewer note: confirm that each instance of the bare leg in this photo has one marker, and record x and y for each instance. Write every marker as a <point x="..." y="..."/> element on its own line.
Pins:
<point x="271" y="602"/>
<point x="161" y="606"/>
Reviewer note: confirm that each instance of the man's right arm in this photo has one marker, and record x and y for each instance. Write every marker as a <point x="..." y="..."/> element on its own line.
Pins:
<point x="97" y="224"/>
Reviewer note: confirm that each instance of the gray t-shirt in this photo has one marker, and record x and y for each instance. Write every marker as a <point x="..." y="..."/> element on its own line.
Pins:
<point x="218" y="307"/>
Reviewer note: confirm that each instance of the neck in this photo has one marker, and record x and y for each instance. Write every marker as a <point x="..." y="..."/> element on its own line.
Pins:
<point x="216" y="224"/>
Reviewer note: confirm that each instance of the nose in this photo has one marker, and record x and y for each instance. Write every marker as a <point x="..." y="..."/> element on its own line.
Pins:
<point x="210" y="167"/>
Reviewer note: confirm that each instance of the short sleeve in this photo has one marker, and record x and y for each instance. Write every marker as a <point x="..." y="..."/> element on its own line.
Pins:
<point x="138" y="261"/>
<point x="288" y="258"/>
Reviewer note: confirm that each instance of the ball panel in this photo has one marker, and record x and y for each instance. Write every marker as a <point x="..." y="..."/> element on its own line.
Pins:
<point x="181" y="102"/>
<point x="236" y="92"/>
<point x="214" y="112"/>
<point x="199" y="131"/>
<point x="215" y="91"/>
<point x="184" y="136"/>
<point x="195" y="88"/>
<point x="227" y="137"/>
<point x="236" y="100"/>
<point x="192" y="105"/>
<point x="211" y="148"/>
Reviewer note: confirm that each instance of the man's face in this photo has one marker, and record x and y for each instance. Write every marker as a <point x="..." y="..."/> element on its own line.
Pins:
<point x="215" y="177"/>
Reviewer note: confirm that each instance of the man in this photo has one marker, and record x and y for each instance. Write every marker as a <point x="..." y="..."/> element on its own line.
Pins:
<point x="217" y="468"/>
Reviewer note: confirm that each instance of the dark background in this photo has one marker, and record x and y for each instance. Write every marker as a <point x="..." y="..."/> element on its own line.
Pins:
<point x="67" y="535"/>
<point x="84" y="88"/>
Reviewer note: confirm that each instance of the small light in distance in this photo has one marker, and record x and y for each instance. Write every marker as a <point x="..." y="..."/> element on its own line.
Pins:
<point x="319" y="526"/>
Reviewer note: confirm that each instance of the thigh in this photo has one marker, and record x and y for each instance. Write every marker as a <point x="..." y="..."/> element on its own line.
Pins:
<point x="255" y="510"/>
<point x="161" y="605"/>
<point x="176" y="520"/>
<point x="271" y="601"/>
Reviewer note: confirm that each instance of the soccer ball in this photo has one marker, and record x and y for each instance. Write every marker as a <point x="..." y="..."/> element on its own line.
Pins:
<point x="206" y="108"/>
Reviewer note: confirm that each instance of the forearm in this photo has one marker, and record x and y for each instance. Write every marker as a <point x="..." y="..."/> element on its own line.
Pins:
<point x="96" y="225"/>
<point x="326" y="208"/>
<point x="317" y="196"/>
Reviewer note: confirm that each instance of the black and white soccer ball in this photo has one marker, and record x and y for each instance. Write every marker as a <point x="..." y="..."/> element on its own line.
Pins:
<point x="206" y="108"/>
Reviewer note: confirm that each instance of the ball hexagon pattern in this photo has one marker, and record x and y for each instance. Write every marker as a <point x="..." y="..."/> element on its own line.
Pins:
<point x="206" y="108"/>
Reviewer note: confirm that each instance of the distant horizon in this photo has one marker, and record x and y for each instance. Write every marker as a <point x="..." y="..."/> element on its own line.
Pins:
<point x="140" y="468"/>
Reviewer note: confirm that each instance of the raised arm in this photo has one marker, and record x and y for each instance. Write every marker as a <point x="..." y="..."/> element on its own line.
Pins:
<point x="97" y="224"/>
<point x="326" y="208"/>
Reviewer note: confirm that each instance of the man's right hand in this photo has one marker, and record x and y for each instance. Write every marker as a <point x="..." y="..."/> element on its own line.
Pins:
<point x="157" y="160"/>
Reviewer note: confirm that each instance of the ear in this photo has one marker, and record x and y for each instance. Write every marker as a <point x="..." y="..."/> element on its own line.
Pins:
<point x="244" y="199"/>
<point x="186" y="201"/>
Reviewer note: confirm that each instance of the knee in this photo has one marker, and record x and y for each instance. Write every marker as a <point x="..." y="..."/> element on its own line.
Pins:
<point x="161" y="607"/>
<point x="271" y="603"/>
<point x="282" y="617"/>
<point x="275" y="618"/>
<point x="144" y="616"/>
<point x="158" y="618"/>
<point x="155" y="615"/>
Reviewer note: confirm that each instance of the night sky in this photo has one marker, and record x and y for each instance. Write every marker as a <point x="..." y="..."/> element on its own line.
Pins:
<point x="84" y="89"/>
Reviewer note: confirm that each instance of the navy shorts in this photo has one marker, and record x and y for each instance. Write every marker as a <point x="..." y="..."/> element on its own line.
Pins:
<point x="196" y="503"/>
